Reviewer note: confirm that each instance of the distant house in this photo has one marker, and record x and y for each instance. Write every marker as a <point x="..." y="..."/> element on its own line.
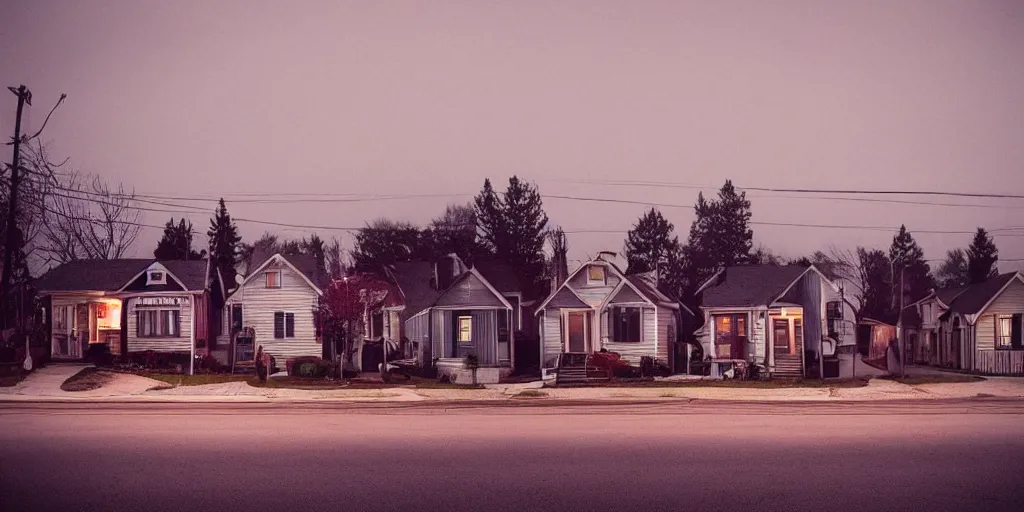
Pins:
<point x="921" y="330"/>
<point x="275" y="300"/>
<point x="776" y="316"/>
<point x="981" y="330"/>
<point x="450" y="311"/>
<point x="130" y="305"/>
<point x="599" y="307"/>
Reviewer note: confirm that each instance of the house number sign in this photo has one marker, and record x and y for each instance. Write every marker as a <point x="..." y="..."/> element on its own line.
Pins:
<point x="162" y="301"/>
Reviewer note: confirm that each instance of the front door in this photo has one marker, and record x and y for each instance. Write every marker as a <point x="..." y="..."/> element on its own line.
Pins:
<point x="780" y="337"/>
<point x="577" y="332"/>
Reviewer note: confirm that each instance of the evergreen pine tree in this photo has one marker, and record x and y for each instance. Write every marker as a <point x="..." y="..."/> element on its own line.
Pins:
<point x="982" y="256"/>
<point x="908" y="257"/>
<point x="649" y="243"/>
<point x="513" y="227"/>
<point x="224" y="242"/>
<point x="176" y="243"/>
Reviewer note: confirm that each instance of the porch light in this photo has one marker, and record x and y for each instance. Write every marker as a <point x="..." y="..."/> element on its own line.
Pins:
<point x="783" y="312"/>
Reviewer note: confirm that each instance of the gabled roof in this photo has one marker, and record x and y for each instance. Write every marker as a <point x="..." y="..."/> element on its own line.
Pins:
<point x="947" y="295"/>
<point x="413" y="279"/>
<point x="91" y="275"/>
<point x="304" y="265"/>
<point x="499" y="274"/>
<point x="595" y="261"/>
<point x="977" y="297"/>
<point x="750" y="285"/>
<point x="653" y="294"/>
<point x="466" y="275"/>
<point x="191" y="273"/>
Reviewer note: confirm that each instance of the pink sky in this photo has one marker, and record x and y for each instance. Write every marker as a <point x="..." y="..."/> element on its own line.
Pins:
<point x="190" y="98"/>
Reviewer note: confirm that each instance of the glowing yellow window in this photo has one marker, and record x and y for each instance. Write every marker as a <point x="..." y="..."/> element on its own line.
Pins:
<point x="465" y="329"/>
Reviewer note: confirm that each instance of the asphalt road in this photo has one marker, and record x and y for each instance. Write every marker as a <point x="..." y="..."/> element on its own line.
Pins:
<point x="900" y="457"/>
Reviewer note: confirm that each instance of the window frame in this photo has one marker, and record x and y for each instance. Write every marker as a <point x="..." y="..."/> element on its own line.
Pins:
<point x="621" y="319"/>
<point x="160" y="323"/>
<point x="721" y="338"/>
<point x="375" y="330"/>
<point x="460" y="329"/>
<point x="833" y="324"/>
<point x="287" y="325"/>
<point x="590" y="277"/>
<point x="999" y="335"/>
<point x="277" y="279"/>
<point x="151" y="281"/>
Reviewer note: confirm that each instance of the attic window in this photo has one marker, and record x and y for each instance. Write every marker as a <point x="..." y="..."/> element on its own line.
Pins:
<point x="595" y="274"/>
<point x="156" y="277"/>
<point x="273" y="279"/>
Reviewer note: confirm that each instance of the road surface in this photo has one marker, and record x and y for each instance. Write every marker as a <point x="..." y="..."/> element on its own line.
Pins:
<point x="180" y="457"/>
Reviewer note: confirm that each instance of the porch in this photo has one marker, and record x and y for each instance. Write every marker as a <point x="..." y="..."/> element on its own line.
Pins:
<point x="79" y="323"/>
<point x="482" y="333"/>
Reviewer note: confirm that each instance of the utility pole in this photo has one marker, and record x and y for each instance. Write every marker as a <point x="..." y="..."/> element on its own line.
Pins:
<point x="902" y="336"/>
<point x="24" y="96"/>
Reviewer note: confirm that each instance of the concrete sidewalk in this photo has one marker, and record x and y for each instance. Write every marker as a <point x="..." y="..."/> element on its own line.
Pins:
<point x="44" y="385"/>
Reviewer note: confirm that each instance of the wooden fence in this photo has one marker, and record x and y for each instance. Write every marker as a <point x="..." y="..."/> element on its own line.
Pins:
<point x="1000" y="362"/>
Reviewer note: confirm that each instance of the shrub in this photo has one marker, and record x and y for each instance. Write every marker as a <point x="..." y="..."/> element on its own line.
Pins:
<point x="646" y="366"/>
<point x="208" y="364"/>
<point x="311" y="367"/>
<point x="99" y="354"/>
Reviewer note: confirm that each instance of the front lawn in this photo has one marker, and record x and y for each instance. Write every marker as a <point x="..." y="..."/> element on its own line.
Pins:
<point x="87" y="380"/>
<point x="176" y="379"/>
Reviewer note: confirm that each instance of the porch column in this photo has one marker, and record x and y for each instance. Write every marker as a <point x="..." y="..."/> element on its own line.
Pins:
<point x="192" y="337"/>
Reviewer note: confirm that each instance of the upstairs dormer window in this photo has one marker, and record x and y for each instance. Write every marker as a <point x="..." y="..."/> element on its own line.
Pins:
<point x="595" y="275"/>
<point x="154" y="277"/>
<point x="273" y="279"/>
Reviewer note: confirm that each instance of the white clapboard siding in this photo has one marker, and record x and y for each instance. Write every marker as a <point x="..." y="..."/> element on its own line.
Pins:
<point x="986" y="332"/>
<point x="757" y="336"/>
<point x="666" y="318"/>
<point x="552" y="342"/>
<point x="182" y="343"/>
<point x="294" y="296"/>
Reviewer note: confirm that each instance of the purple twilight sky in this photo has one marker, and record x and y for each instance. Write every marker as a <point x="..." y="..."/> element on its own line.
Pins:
<point x="191" y="99"/>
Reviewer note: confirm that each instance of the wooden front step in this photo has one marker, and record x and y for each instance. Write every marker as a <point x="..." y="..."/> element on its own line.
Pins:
<point x="788" y="366"/>
<point x="571" y="376"/>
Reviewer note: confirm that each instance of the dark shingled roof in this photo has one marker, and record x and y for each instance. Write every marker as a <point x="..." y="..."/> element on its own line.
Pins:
<point x="306" y="264"/>
<point x="946" y="295"/>
<point x="112" y="275"/>
<point x="649" y="291"/>
<point x="191" y="273"/>
<point x="92" y="275"/>
<point x="976" y="296"/>
<point x="413" y="278"/>
<point x="500" y="274"/>
<point x="750" y="285"/>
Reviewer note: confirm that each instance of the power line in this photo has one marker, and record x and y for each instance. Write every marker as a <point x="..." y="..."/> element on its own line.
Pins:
<point x="820" y="190"/>
<point x="192" y="209"/>
<point x="761" y="189"/>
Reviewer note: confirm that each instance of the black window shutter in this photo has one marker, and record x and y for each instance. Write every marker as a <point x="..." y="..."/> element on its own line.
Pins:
<point x="1015" y="333"/>
<point x="612" y="330"/>
<point x="138" y="324"/>
<point x="289" y="325"/>
<point x="278" y="324"/>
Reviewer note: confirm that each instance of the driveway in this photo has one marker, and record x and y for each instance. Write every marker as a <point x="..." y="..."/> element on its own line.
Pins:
<point x="45" y="382"/>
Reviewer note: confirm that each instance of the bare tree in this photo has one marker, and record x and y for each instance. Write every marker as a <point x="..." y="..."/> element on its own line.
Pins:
<point x="334" y="256"/>
<point x="78" y="216"/>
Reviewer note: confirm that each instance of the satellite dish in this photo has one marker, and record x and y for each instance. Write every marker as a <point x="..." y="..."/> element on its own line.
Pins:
<point x="239" y="278"/>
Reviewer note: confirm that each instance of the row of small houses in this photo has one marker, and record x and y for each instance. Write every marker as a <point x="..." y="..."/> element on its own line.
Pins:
<point x="793" y="321"/>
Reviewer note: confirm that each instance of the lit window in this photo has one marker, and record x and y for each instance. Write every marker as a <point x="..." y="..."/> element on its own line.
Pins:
<point x="1004" y="333"/>
<point x="465" y="329"/>
<point x="595" y="274"/>
<point x="273" y="279"/>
